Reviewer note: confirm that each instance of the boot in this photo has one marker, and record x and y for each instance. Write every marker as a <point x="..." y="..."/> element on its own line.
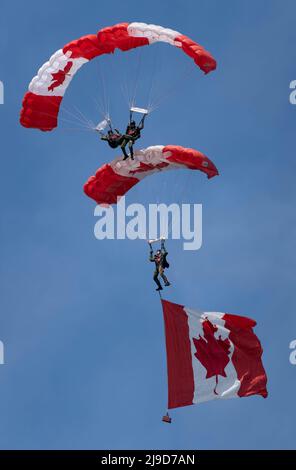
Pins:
<point x="126" y="156"/>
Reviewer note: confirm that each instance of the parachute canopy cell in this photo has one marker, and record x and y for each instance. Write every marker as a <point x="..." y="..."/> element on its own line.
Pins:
<point x="42" y="102"/>
<point x="116" y="178"/>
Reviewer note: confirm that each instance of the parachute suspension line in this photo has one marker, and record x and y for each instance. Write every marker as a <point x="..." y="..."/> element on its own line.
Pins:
<point x="156" y="59"/>
<point x="185" y="186"/>
<point x="87" y="121"/>
<point x="124" y="82"/>
<point x="137" y="78"/>
<point x="176" y="184"/>
<point x="115" y="73"/>
<point x="80" y="118"/>
<point x="73" y="123"/>
<point x="161" y="197"/>
<point x="125" y="93"/>
<point x="75" y="129"/>
<point x="82" y="123"/>
<point x="100" y="109"/>
<point x="75" y="120"/>
<point x="119" y="69"/>
<point x="103" y="98"/>
<point x="162" y="193"/>
<point x="173" y="89"/>
<point x="68" y="121"/>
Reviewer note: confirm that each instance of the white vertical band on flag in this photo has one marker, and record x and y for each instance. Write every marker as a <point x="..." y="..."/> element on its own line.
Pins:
<point x="204" y="388"/>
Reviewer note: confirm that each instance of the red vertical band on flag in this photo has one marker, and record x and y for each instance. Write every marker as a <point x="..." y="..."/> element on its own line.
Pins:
<point x="246" y="357"/>
<point x="179" y="358"/>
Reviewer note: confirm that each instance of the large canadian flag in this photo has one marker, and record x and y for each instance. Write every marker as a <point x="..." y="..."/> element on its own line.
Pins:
<point x="211" y="355"/>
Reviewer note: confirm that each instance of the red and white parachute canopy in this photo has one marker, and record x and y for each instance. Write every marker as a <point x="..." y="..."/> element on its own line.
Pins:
<point x="42" y="102"/>
<point x="115" y="179"/>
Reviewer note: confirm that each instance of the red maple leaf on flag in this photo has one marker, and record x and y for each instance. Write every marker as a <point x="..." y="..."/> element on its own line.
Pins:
<point x="213" y="353"/>
<point x="59" y="77"/>
<point x="149" y="166"/>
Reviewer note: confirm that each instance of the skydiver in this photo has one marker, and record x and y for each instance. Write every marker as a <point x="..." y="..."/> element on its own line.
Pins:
<point x="113" y="137"/>
<point x="132" y="133"/>
<point x="160" y="264"/>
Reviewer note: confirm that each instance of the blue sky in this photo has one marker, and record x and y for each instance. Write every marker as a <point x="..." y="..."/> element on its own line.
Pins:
<point x="80" y="320"/>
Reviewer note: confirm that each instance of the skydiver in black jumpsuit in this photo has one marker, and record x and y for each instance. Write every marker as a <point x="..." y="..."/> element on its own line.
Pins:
<point x="132" y="133"/>
<point x="160" y="264"/>
<point x="113" y="137"/>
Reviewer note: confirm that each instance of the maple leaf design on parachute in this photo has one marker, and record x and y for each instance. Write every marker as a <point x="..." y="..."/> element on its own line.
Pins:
<point x="213" y="353"/>
<point x="148" y="166"/>
<point x="59" y="77"/>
